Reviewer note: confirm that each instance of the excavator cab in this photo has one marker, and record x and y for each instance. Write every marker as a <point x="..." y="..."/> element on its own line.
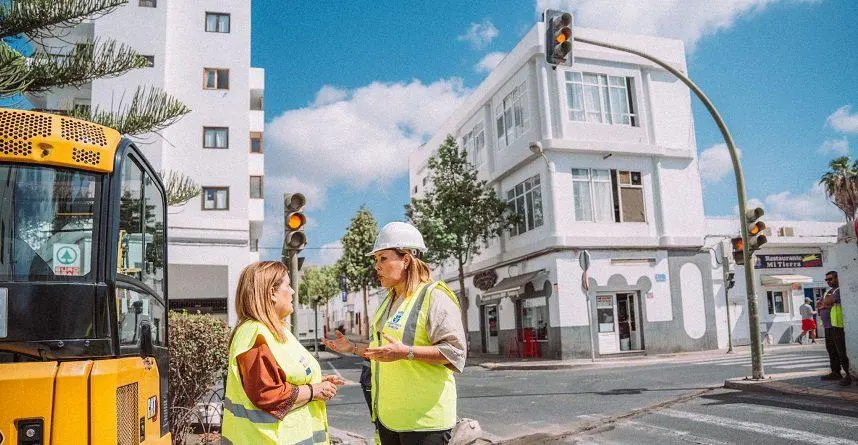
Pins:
<point x="83" y="286"/>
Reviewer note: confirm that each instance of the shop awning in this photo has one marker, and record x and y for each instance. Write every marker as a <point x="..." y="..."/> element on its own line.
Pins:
<point x="512" y="285"/>
<point x="781" y="280"/>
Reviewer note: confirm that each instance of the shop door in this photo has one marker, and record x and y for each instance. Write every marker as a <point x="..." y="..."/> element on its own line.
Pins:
<point x="491" y="332"/>
<point x="606" y="317"/>
<point x="627" y="322"/>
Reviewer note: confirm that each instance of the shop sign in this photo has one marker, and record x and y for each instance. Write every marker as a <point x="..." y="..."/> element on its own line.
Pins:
<point x="788" y="261"/>
<point x="660" y="278"/>
<point x="533" y="302"/>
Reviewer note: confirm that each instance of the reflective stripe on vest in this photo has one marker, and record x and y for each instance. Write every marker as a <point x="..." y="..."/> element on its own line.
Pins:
<point x="412" y="395"/>
<point x="244" y="423"/>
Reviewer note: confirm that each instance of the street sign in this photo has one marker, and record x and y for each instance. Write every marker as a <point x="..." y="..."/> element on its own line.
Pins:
<point x="66" y="259"/>
<point x="584" y="260"/>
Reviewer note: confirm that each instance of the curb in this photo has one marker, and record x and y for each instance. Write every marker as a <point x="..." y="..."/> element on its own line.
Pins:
<point x="779" y="384"/>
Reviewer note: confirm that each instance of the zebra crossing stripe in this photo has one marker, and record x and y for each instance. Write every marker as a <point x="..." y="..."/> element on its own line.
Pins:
<point x="802" y="415"/>
<point x="756" y="427"/>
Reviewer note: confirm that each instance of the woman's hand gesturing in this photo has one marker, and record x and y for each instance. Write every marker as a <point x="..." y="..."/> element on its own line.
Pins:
<point x="392" y="351"/>
<point x="340" y="344"/>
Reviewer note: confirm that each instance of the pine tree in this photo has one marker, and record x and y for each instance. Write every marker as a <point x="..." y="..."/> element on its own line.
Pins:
<point x="459" y="213"/>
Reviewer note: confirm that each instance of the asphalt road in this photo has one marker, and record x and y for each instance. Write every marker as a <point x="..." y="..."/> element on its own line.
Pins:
<point x="511" y="404"/>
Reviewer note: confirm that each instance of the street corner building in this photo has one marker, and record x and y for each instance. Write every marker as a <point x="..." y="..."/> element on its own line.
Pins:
<point x="620" y="179"/>
<point x="199" y="52"/>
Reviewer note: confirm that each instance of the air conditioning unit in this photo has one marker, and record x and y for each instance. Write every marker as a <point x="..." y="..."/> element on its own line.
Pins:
<point x="786" y="231"/>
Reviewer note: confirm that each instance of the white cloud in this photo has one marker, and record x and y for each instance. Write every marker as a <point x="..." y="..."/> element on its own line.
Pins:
<point x="489" y="62"/>
<point x="813" y="205"/>
<point x="835" y="146"/>
<point x="330" y="253"/>
<point x="715" y="163"/>
<point x="843" y="120"/>
<point x="358" y="137"/>
<point x="329" y="94"/>
<point x="687" y="20"/>
<point x="479" y="35"/>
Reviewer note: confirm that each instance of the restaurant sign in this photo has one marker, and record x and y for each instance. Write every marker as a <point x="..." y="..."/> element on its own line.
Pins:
<point x="788" y="261"/>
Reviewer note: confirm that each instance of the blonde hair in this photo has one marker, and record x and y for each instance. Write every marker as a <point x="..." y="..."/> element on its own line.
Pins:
<point x="417" y="272"/>
<point x="253" y="295"/>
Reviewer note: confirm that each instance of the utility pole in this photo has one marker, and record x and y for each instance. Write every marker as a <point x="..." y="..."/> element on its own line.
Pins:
<point x="728" y="280"/>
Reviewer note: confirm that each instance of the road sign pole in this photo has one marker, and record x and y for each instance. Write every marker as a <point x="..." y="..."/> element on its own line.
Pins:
<point x="584" y="262"/>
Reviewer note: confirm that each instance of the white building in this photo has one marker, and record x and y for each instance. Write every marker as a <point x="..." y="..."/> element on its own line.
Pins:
<point x="790" y="267"/>
<point x="200" y="53"/>
<point x="622" y="182"/>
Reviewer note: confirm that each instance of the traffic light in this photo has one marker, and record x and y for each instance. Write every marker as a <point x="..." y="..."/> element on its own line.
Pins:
<point x="730" y="279"/>
<point x="294" y="239"/>
<point x="558" y="36"/>
<point x="738" y="250"/>
<point x="756" y="228"/>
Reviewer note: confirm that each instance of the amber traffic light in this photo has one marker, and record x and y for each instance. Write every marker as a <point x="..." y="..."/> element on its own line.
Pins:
<point x="558" y="36"/>
<point x="294" y="238"/>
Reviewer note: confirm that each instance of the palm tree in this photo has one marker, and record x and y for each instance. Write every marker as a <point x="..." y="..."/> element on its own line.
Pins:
<point x="841" y="185"/>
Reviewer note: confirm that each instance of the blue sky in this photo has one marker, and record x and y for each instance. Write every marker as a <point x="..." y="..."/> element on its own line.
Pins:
<point x="351" y="89"/>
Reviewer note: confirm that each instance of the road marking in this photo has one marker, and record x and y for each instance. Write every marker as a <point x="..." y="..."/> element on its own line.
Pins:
<point x="679" y="434"/>
<point x="761" y="428"/>
<point x="788" y="359"/>
<point x="819" y="364"/>
<point x="804" y="416"/>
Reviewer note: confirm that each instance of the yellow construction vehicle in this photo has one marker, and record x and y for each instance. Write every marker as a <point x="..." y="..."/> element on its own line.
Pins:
<point x="83" y="286"/>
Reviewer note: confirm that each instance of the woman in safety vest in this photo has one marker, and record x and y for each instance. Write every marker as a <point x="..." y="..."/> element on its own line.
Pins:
<point x="417" y="343"/>
<point x="275" y="391"/>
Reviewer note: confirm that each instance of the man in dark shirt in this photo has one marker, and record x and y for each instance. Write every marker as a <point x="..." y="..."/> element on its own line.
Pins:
<point x="835" y="341"/>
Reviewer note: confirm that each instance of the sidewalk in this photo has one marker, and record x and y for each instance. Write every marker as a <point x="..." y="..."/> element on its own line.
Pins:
<point x="805" y="383"/>
<point x="496" y="363"/>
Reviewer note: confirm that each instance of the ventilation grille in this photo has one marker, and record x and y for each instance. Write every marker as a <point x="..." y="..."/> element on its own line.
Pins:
<point x="18" y="125"/>
<point x="83" y="132"/>
<point x="84" y="156"/>
<point x="127" y="432"/>
<point x="16" y="148"/>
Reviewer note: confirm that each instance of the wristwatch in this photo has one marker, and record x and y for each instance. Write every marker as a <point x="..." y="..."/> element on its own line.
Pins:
<point x="410" y="355"/>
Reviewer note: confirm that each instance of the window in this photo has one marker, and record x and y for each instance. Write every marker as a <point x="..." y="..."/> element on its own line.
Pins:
<point x="141" y="225"/>
<point x="254" y="244"/>
<point x="605" y="313"/>
<point x="525" y="200"/>
<point x="474" y="143"/>
<point x="150" y="61"/>
<point x="591" y="189"/>
<point x="135" y="306"/>
<point x="255" y="142"/>
<point x="215" y="198"/>
<point x="628" y="196"/>
<point x="777" y="302"/>
<point x="256" y="187"/>
<point x="608" y="195"/>
<point x="148" y="3"/>
<point x="215" y="137"/>
<point x="81" y="106"/>
<point x="215" y="79"/>
<point x="217" y="22"/>
<point x="512" y="116"/>
<point x="600" y="98"/>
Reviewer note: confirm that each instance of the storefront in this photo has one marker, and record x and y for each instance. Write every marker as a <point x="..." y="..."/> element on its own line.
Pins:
<point x="530" y="336"/>
<point x="618" y="323"/>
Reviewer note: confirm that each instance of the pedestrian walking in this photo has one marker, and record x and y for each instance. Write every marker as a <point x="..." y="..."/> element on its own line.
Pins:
<point x="808" y="322"/>
<point x="418" y="343"/>
<point x="275" y="390"/>
<point x="835" y="339"/>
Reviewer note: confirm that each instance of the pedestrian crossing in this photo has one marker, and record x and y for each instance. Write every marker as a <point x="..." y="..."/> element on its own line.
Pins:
<point x="778" y="362"/>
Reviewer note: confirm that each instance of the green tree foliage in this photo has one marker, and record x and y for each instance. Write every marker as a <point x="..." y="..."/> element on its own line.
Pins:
<point x="318" y="285"/>
<point x="42" y="23"/>
<point x="199" y="353"/>
<point x="841" y="185"/>
<point x="459" y="213"/>
<point x="358" y="268"/>
<point x="180" y="188"/>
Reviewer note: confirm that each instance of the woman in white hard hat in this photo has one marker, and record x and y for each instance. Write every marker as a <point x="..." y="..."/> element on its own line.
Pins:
<point x="417" y="343"/>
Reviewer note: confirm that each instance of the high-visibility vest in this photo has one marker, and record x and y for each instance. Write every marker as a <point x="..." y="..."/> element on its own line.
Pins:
<point x="411" y="395"/>
<point x="244" y="423"/>
<point x="837" y="316"/>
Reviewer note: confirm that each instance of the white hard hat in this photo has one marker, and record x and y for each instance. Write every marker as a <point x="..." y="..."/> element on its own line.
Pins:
<point x="398" y="235"/>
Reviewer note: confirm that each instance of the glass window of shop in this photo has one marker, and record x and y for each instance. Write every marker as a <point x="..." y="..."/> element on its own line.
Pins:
<point x="533" y="318"/>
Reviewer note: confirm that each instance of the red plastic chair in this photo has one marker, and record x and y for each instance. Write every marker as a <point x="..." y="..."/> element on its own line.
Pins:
<point x="531" y="346"/>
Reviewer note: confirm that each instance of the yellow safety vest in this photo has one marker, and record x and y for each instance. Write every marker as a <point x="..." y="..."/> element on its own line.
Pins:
<point x="411" y="395"/>
<point x="244" y="423"/>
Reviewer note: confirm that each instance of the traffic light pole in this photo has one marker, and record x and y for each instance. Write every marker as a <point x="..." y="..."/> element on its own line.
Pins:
<point x="296" y="283"/>
<point x="753" y="312"/>
<point x="725" y="271"/>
